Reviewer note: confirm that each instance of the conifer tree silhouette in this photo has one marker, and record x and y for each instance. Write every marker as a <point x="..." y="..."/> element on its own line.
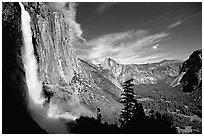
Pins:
<point x="131" y="109"/>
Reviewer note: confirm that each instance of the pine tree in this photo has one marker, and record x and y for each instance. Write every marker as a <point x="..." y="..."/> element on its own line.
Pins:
<point x="131" y="107"/>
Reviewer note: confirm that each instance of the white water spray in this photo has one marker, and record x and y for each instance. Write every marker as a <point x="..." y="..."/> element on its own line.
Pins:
<point x="47" y="119"/>
<point x="30" y="64"/>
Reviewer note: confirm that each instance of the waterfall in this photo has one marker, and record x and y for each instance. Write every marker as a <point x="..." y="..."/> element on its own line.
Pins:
<point x="52" y="122"/>
<point x="30" y="64"/>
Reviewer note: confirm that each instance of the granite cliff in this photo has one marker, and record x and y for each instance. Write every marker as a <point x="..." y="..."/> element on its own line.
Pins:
<point x="190" y="75"/>
<point x="70" y="87"/>
<point x="143" y="73"/>
<point x="69" y="90"/>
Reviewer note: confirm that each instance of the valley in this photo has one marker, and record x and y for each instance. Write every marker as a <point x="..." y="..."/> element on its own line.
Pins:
<point x="185" y="108"/>
<point x="127" y="81"/>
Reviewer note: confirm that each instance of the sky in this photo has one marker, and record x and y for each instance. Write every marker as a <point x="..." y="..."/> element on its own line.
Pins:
<point x="138" y="33"/>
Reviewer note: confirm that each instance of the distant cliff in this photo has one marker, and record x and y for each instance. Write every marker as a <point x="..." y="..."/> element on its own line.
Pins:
<point x="71" y="85"/>
<point x="143" y="73"/>
<point x="174" y="72"/>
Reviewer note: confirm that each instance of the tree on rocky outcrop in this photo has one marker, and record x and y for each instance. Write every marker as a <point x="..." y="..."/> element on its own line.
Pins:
<point x="131" y="109"/>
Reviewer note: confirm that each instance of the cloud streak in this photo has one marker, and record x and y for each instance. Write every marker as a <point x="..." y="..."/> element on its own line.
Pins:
<point x="174" y="24"/>
<point x="105" y="6"/>
<point x="125" y="47"/>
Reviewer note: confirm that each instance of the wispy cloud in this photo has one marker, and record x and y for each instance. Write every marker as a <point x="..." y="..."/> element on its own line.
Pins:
<point x="174" y="24"/>
<point x="141" y="60"/>
<point x="105" y="6"/>
<point x="125" y="47"/>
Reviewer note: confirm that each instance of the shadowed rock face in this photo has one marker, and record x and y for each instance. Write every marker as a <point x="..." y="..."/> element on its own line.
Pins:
<point x="192" y="79"/>
<point x="14" y="90"/>
<point x="190" y="75"/>
<point x="74" y="86"/>
<point x="144" y="73"/>
<point x="62" y="73"/>
<point x="67" y="84"/>
<point x="194" y="62"/>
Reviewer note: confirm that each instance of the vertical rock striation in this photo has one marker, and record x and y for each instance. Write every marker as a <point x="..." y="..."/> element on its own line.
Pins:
<point x="53" y="39"/>
<point x="70" y="89"/>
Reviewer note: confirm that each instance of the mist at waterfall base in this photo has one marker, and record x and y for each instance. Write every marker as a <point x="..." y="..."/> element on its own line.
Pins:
<point x="52" y="122"/>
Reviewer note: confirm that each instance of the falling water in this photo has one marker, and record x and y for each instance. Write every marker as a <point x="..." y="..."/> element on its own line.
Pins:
<point x="30" y="64"/>
<point x="52" y="122"/>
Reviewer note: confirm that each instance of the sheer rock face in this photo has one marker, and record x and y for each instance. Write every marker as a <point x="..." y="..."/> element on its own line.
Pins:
<point x="66" y="82"/>
<point x="53" y="40"/>
<point x="144" y="73"/>
<point x="59" y="69"/>
<point x="192" y="79"/>
<point x="194" y="62"/>
<point x="14" y="89"/>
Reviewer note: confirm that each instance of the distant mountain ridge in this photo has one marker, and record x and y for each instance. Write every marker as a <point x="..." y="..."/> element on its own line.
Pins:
<point x="109" y="75"/>
<point x="74" y="87"/>
<point x="149" y="73"/>
<point x="168" y="71"/>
